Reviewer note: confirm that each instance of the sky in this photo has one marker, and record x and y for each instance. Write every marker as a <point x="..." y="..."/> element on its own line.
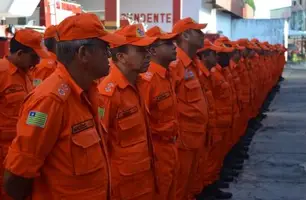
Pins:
<point x="263" y="7"/>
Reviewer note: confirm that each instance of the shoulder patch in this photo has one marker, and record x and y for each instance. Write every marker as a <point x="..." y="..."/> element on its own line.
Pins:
<point x="107" y="88"/>
<point x="61" y="89"/>
<point x="147" y="76"/>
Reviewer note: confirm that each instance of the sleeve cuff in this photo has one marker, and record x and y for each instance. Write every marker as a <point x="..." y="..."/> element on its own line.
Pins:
<point x="22" y="164"/>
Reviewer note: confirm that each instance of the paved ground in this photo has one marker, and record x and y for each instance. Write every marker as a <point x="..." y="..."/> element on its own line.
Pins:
<point x="277" y="167"/>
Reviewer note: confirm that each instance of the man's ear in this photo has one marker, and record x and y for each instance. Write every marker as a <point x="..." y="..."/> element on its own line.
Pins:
<point x="82" y="54"/>
<point x="121" y="57"/>
<point x="185" y="35"/>
<point x="19" y="52"/>
<point x="152" y="51"/>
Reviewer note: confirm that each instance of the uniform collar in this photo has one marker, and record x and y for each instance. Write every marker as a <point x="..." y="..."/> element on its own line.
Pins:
<point x="157" y="68"/>
<point x="202" y="67"/>
<point x="233" y="65"/>
<point x="118" y="76"/>
<point x="52" y="56"/>
<point x="183" y="57"/>
<point x="68" y="79"/>
<point x="11" y="67"/>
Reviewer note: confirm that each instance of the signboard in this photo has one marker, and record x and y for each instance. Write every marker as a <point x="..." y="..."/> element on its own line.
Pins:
<point x="150" y="14"/>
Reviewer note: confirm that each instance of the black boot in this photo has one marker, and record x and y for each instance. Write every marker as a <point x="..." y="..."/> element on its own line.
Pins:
<point x="229" y="172"/>
<point x="219" y="194"/>
<point x="227" y="179"/>
<point x="221" y="184"/>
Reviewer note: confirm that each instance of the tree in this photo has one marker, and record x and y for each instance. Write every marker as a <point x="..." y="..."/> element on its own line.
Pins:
<point x="250" y="3"/>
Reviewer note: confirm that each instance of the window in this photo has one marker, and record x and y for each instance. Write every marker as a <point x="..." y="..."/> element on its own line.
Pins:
<point x="294" y="3"/>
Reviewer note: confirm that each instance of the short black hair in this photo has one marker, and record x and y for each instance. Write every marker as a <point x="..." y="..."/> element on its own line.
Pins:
<point x="16" y="46"/>
<point x="205" y="52"/>
<point x="120" y="49"/>
<point x="50" y="43"/>
<point x="66" y="50"/>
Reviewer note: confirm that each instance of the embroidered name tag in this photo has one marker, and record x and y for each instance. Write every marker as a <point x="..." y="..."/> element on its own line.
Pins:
<point x="162" y="96"/>
<point x="82" y="126"/>
<point x="127" y="112"/>
<point x="13" y="89"/>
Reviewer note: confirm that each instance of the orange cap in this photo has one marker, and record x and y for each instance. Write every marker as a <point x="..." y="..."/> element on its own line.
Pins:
<point x="156" y="31"/>
<point x="185" y="24"/>
<point x="135" y="35"/>
<point x="245" y="43"/>
<point x="84" y="26"/>
<point x="34" y="40"/>
<point x="208" y="45"/>
<point x="50" y="32"/>
<point x="224" y="48"/>
<point x="237" y="46"/>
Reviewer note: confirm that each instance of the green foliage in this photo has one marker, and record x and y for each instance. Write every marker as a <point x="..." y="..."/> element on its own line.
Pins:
<point x="250" y="3"/>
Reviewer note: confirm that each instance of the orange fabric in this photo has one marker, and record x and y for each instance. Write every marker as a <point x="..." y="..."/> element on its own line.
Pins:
<point x="135" y="35"/>
<point x="193" y="119"/>
<point x="211" y="46"/>
<point x="160" y="101"/>
<point x="32" y="39"/>
<point x="156" y="31"/>
<point x="66" y="154"/>
<point x="50" y="32"/>
<point x="44" y="69"/>
<point x="14" y="86"/>
<point x="185" y="24"/>
<point x="222" y="47"/>
<point x="128" y="138"/>
<point x="84" y="26"/>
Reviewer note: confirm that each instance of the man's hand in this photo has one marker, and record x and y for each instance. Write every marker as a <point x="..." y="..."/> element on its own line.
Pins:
<point x="17" y="187"/>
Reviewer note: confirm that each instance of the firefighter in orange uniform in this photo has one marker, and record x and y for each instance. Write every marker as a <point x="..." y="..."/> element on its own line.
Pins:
<point x="161" y="105"/>
<point x="192" y="105"/>
<point x="15" y="84"/>
<point x="123" y="116"/>
<point x="46" y="66"/>
<point x="210" y="166"/>
<point x="59" y="151"/>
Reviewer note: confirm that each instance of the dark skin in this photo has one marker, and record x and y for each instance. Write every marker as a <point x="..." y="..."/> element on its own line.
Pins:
<point x="136" y="60"/>
<point x="209" y="58"/>
<point x="87" y="66"/>
<point x="190" y="41"/>
<point x="163" y="52"/>
<point x="235" y="56"/>
<point x="24" y="60"/>
<point x="224" y="59"/>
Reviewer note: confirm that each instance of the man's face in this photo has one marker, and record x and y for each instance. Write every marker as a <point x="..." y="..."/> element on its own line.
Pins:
<point x="223" y="59"/>
<point x="27" y="60"/>
<point x="164" y="50"/>
<point x="196" y="38"/>
<point x="97" y="59"/>
<point x="210" y="57"/>
<point x="236" y="56"/>
<point x="137" y="58"/>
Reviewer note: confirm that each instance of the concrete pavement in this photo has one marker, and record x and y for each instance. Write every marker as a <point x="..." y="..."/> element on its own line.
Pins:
<point x="276" y="169"/>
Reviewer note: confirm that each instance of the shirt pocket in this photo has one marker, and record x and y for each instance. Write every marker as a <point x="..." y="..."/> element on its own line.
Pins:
<point x="136" y="180"/>
<point x="132" y="130"/>
<point x="13" y="102"/>
<point x="225" y="90"/>
<point x="194" y="92"/>
<point x="86" y="151"/>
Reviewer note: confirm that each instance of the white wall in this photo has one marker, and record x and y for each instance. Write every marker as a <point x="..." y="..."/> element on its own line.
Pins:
<point x="157" y="12"/>
<point x="224" y="23"/>
<point x="206" y="17"/>
<point x="271" y="30"/>
<point x="191" y="8"/>
<point x="92" y="4"/>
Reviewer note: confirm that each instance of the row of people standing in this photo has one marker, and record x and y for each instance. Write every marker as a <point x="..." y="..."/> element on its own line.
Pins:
<point x="155" y="121"/>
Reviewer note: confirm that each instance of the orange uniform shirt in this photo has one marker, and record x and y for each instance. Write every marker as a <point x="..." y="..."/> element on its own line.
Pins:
<point x="160" y="100"/>
<point x="60" y="142"/>
<point x="44" y="69"/>
<point x="161" y="104"/>
<point x="192" y="105"/>
<point x="223" y="98"/>
<point x="128" y="138"/>
<point x="14" y="86"/>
